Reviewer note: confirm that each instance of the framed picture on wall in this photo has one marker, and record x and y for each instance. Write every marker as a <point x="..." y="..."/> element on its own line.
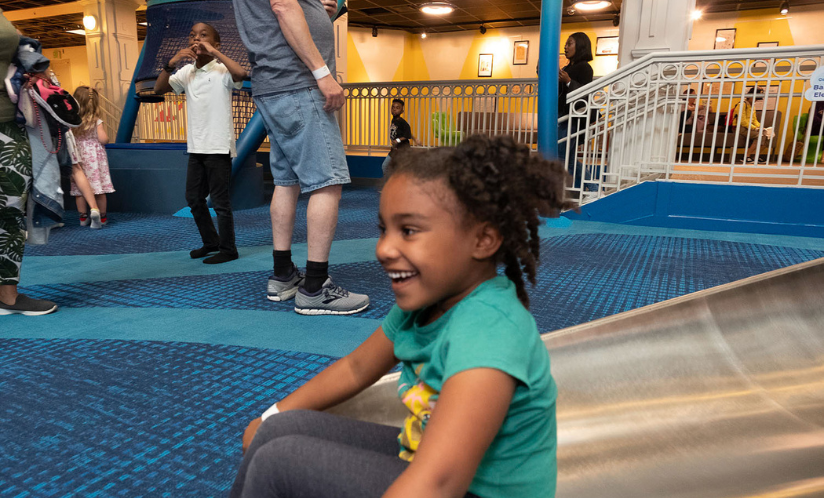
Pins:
<point x="520" y="53"/>
<point x="606" y="45"/>
<point x="485" y="66"/>
<point x="767" y="44"/>
<point x="724" y="38"/>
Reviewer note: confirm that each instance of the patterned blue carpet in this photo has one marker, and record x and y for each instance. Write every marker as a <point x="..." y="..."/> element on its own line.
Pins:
<point x="92" y="408"/>
<point x="133" y="418"/>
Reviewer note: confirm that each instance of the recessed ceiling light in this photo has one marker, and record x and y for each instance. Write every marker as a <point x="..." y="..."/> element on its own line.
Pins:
<point x="437" y="8"/>
<point x="591" y="5"/>
<point x="80" y="32"/>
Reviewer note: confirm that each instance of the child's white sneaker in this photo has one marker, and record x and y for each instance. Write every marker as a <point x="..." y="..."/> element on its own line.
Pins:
<point x="95" y="217"/>
<point x="84" y="220"/>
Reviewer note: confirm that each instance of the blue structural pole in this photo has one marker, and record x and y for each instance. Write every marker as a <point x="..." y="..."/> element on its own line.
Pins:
<point x="551" y="11"/>
<point x="249" y="141"/>
<point x="130" y="108"/>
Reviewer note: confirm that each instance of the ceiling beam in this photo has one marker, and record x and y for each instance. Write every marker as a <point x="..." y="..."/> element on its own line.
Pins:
<point x="45" y="11"/>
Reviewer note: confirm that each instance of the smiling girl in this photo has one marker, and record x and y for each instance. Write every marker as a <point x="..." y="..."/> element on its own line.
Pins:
<point x="475" y="375"/>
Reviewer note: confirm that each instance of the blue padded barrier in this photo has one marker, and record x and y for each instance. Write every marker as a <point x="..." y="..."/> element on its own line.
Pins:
<point x="726" y="208"/>
<point x="151" y="178"/>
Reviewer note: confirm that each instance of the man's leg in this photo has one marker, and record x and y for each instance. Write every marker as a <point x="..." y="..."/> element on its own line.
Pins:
<point x="308" y="144"/>
<point x="282" y="211"/>
<point x="321" y="221"/>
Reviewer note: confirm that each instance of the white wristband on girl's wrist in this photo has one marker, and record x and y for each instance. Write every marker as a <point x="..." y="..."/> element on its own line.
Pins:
<point x="271" y="411"/>
<point x="321" y="72"/>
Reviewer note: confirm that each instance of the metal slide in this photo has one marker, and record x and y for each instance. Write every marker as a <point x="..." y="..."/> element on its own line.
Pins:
<point x="717" y="394"/>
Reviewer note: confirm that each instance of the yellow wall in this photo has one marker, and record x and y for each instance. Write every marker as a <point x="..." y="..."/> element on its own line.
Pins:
<point x="801" y="27"/>
<point x="71" y="65"/>
<point x="401" y="56"/>
<point x="454" y="56"/>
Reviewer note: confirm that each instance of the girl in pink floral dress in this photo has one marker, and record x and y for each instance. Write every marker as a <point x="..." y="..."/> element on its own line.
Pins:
<point x="91" y="136"/>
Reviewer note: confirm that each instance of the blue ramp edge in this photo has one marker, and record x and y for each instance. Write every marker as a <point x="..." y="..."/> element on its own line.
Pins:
<point x="727" y="208"/>
<point x="187" y="213"/>
<point x="560" y="222"/>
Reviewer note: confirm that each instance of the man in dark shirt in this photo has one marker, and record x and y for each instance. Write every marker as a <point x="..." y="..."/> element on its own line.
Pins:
<point x="400" y="133"/>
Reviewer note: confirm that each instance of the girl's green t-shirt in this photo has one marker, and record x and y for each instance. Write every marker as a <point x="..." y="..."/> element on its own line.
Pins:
<point x="489" y="328"/>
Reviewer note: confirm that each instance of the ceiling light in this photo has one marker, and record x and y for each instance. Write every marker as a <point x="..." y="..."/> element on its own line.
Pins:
<point x="588" y="5"/>
<point x="423" y="35"/>
<point x="483" y="29"/>
<point x="89" y="22"/>
<point x="785" y="8"/>
<point x="375" y="31"/>
<point x="80" y="32"/>
<point x="437" y="8"/>
<point x="696" y="15"/>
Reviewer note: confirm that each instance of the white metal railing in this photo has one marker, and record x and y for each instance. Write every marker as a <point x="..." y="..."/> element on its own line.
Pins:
<point x="110" y="114"/>
<point x="682" y="116"/>
<point x="439" y="112"/>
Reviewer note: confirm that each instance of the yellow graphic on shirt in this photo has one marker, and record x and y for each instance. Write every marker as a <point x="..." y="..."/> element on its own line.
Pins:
<point x="420" y="400"/>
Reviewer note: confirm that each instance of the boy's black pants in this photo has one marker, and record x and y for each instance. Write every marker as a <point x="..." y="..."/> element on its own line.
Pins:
<point x="209" y="174"/>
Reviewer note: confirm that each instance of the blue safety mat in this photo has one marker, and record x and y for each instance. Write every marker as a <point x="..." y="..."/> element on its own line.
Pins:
<point x="582" y="278"/>
<point x="123" y="418"/>
<point x="129" y="233"/>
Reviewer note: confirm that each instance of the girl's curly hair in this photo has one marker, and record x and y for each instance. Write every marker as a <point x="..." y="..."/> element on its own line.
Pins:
<point x="497" y="181"/>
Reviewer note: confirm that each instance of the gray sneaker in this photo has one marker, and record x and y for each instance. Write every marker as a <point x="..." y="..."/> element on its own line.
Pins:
<point x="28" y="307"/>
<point x="283" y="290"/>
<point x="330" y="300"/>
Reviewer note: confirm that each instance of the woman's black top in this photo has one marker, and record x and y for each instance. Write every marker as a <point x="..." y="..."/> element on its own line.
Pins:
<point x="581" y="74"/>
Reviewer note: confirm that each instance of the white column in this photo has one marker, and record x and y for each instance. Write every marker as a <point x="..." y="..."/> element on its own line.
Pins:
<point x="111" y="47"/>
<point x="654" y="26"/>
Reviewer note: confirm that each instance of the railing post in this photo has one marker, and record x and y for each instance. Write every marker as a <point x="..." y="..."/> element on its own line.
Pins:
<point x="548" y="77"/>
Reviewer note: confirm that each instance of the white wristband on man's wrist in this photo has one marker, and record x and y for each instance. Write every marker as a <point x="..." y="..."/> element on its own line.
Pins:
<point x="271" y="411"/>
<point x="321" y="72"/>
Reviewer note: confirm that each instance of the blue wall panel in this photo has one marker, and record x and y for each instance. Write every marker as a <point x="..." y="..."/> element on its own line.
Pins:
<point x="151" y="178"/>
<point x="728" y="208"/>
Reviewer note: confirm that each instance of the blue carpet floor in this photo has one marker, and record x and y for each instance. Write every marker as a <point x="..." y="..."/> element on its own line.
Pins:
<point x="142" y="383"/>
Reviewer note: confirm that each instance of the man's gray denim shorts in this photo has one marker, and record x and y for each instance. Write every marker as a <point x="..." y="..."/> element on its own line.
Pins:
<point x="305" y="141"/>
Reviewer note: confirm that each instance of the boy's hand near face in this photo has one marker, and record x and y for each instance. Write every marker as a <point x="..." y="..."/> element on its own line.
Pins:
<point x="202" y="47"/>
<point x="184" y="53"/>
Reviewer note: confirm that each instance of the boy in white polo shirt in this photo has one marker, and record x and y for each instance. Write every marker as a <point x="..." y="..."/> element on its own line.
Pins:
<point x="208" y="84"/>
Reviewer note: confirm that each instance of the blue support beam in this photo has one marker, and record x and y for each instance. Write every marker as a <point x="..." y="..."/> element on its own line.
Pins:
<point x="550" y="39"/>
<point x="249" y="141"/>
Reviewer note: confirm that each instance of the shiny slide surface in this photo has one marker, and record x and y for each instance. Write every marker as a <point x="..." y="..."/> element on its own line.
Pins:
<point x="719" y="393"/>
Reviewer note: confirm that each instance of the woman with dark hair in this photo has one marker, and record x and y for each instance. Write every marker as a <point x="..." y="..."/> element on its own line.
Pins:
<point x="578" y="73"/>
